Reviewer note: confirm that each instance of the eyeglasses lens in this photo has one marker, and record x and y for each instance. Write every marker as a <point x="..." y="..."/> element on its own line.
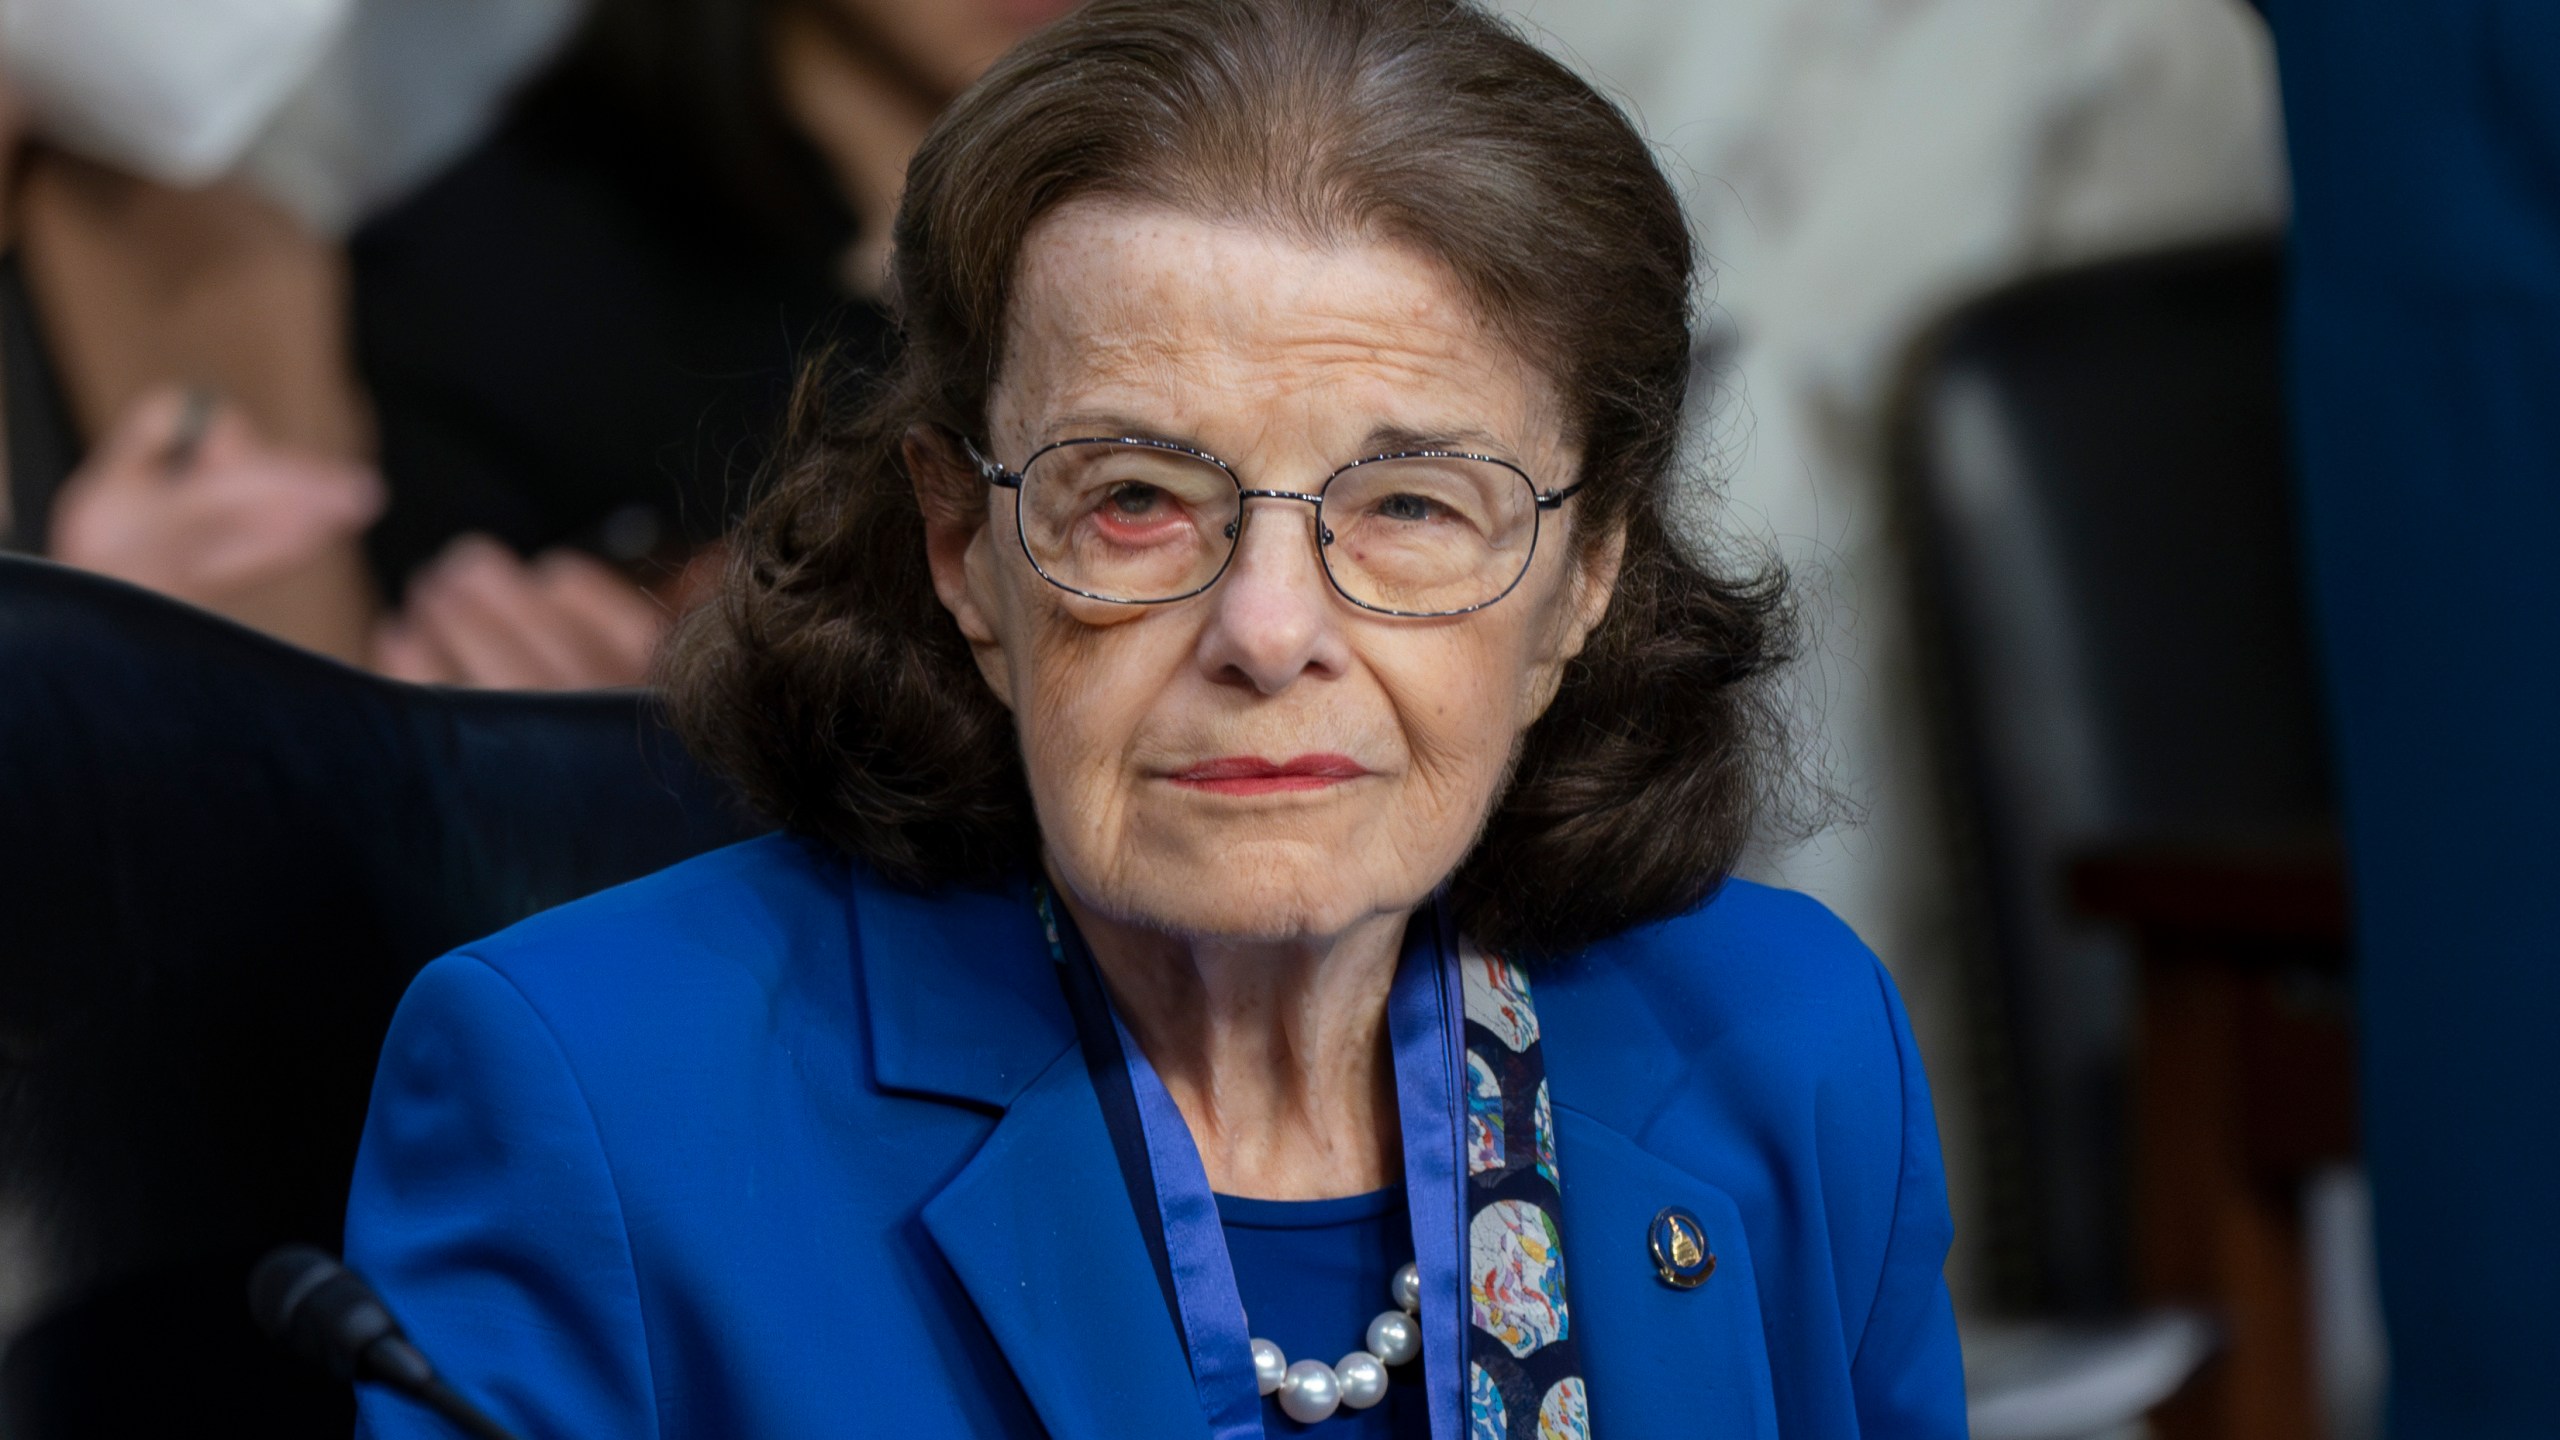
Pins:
<point x="1127" y="522"/>
<point x="1415" y="536"/>
<point x="1428" y="536"/>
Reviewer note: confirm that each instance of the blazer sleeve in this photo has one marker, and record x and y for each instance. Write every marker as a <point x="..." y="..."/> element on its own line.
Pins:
<point x="484" y="1212"/>
<point x="1908" y="1370"/>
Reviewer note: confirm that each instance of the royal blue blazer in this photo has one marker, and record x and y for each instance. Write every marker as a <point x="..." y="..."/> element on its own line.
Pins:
<point x="760" y="1147"/>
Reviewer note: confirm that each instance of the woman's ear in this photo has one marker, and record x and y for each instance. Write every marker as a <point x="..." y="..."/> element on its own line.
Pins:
<point x="1586" y="603"/>
<point x="1595" y="582"/>
<point x="956" y="544"/>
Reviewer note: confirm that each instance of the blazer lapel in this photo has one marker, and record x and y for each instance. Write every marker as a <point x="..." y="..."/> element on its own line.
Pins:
<point x="964" y="1006"/>
<point x="1660" y="1362"/>
<point x="1038" y="1228"/>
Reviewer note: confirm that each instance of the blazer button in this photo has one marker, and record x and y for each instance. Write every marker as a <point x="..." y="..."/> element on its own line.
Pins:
<point x="1680" y="1253"/>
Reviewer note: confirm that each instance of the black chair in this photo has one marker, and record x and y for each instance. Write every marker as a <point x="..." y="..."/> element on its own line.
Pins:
<point x="2094" y="462"/>
<point x="221" y="860"/>
<point x="2092" y="465"/>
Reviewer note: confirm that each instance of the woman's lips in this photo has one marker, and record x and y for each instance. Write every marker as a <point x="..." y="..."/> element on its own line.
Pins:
<point x="1253" y="775"/>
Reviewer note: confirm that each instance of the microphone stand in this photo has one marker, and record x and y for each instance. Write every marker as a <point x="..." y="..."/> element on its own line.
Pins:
<point x="326" y="1313"/>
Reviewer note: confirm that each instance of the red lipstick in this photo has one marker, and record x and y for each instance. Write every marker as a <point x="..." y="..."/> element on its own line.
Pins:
<point x="1253" y="775"/>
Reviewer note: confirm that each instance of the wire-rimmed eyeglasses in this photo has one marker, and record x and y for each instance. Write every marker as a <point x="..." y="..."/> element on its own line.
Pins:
<point x="1415" y="533"/>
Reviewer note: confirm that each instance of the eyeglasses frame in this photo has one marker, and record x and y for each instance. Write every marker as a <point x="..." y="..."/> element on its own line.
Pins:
<point x="996" y="474"/>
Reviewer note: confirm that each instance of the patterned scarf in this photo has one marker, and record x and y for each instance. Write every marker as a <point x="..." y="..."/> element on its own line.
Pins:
<point x="1524" y="1378"/>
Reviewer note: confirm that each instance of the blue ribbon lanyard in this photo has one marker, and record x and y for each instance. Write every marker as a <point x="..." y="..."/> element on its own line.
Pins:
<point x="1425" y="1034"/>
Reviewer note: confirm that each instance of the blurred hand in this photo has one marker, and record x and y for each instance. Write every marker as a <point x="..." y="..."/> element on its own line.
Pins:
<point x="184" y="497"/>
<point x="477" y="615"/>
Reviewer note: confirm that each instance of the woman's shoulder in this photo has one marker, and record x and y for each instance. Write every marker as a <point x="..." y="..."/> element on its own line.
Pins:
<point x="740" y="917"/>
<point x="656" y="1013"/>
<point x="1763" y="994"/>
<point x="1751" y="953"/>
<point x="1757" y="1043"/>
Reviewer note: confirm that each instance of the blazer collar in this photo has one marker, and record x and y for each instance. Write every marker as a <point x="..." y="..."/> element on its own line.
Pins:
<point x="962" y="998"/>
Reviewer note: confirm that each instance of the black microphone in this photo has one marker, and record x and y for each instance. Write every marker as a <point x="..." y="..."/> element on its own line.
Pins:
<point x="324" y="1312"/>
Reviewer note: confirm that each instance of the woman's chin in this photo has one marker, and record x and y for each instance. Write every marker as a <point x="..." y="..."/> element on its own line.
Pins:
<point x="1261" y="892"/>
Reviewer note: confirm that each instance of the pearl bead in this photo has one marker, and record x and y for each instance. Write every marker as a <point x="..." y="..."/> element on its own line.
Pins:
<point x="1406" y="1290"/>
<point x="1364" y="1379"/>
<point x="1269" y="1366"/>
<point x="1394" y="1338"/>
<point x="1310" y="1392"/>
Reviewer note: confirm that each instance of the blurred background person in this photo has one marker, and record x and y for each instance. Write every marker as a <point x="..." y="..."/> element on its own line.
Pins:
<point x="2424" y="340"/>
<point x="556" y="345"/>
<point x="134" y="267"/>
<point x="582" y="333"/>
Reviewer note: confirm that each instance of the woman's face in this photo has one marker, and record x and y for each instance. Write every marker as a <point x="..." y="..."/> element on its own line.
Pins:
<point x="1146" y="729"/>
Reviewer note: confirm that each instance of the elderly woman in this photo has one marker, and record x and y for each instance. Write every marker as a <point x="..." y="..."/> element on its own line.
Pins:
<point x="1251" y="948"/>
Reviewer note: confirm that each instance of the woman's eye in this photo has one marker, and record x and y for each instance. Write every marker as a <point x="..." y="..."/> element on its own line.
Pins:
<point x="1134" y="501"/>
<point x="1406" y="507"/>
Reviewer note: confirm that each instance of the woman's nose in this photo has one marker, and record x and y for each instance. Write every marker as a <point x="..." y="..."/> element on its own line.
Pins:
<point x="1271" y="616"/>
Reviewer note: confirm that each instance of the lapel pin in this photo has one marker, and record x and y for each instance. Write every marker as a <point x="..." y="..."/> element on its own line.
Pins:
<point x="1680" y="1253"/>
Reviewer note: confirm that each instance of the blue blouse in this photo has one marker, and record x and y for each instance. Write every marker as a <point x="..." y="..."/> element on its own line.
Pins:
<point x="1312" y="1273"/>
<point x="760" y="1148"/>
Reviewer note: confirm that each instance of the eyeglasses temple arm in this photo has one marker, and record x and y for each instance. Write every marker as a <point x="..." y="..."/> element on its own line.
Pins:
<point x="989" y="471"/>
<point x="1548" y="501"/>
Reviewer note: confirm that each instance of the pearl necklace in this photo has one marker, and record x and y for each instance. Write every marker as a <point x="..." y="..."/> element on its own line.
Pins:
<point x="1311" y="1390"/>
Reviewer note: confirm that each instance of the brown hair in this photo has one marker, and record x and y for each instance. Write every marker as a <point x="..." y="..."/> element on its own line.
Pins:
<point x="830" y="684"/>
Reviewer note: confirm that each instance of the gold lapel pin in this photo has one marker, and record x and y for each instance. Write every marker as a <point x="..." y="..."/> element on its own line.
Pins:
<point x="1680" y="1253"/>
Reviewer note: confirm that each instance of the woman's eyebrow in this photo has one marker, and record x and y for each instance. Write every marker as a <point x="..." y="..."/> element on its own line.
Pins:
<point x="1395" y="439"/>
<point x="1110" y="425"/>
<point x="1381" y="439"/>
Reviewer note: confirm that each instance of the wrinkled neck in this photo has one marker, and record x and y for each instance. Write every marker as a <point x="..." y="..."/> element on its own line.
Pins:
<point x="1276" y="1052"/>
